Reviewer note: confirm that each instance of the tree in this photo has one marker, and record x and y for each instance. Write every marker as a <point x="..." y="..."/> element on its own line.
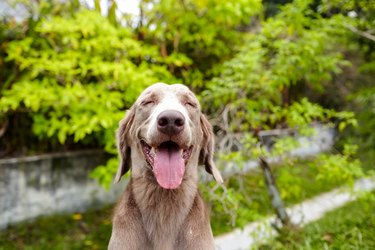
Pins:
<point x="75" y="77"/>
<point x="267" y="85"/>
<point x="199" y="35"/>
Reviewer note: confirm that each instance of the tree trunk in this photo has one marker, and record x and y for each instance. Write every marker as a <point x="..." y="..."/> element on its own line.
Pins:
<point x="274" y="193"/>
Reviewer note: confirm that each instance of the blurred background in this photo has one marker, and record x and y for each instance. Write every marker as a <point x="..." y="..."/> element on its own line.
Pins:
<point x="287" y="82"/>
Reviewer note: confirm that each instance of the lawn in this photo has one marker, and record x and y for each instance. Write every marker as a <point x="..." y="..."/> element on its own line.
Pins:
<point x="350" y="227"/>
<point x="91" y="230"/>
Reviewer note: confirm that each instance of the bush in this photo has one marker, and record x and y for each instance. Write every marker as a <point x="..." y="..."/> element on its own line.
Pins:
<point x="77" y="76"/>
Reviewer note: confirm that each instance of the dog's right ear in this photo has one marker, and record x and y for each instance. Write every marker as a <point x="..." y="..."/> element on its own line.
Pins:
<point x="123" y="144"/>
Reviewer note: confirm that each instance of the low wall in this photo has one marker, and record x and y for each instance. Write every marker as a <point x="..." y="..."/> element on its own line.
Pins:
<point x="320" y="141"/>
<point x="50" y="184"/>
<point x="55" y="183"/>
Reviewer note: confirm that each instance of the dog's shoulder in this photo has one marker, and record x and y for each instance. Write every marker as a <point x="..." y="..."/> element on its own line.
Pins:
<point x="126" y="205"/>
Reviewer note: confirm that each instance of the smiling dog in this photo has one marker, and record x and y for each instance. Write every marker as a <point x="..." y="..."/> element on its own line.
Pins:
<point x="163" y="137"/>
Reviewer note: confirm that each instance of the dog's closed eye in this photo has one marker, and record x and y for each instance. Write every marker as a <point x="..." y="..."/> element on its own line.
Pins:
<point x="147" y="102"/>
<point x="191" y="104"/>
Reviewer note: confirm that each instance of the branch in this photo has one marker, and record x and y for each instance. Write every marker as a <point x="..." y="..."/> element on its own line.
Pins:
<point x="361" y="33"/>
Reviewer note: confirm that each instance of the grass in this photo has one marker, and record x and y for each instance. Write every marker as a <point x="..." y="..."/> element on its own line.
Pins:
<point x="245" y="200"/>
<point x="350" y="227"/>
<point x="90" y="230"/>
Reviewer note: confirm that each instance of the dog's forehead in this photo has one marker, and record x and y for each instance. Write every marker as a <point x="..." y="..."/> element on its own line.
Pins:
<point x="163" y="89"/>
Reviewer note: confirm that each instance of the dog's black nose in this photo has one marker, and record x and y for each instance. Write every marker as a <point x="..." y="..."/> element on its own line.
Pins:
<point x="171" y="122"/>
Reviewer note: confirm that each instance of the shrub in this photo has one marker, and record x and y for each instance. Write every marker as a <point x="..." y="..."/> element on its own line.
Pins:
<point x="77" y="76"/>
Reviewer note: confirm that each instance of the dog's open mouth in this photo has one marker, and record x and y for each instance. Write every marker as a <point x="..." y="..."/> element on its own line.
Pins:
<point x="168" y="162"/>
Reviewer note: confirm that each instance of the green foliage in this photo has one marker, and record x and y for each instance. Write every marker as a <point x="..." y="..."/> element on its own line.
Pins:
<point x="262" y="87"/>
<point x="77" y="75"/>
<point x="293" y="48"/>
<point x="202" y="33"/>
<point x="75" y="72"/>
<point x="357" y="19"/>
<point x="365" y="100"/>
<point x="267" y="85"/>
<point x="339" y="168"/>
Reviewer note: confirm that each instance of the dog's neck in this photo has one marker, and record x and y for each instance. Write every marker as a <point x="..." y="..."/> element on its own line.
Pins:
<point x="164" y="210"/>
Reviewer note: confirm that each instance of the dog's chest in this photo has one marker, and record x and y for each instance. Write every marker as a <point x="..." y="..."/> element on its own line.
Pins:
<point x="163" y="214"/>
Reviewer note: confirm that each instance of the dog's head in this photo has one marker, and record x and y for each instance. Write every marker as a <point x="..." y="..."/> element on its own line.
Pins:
<point x="165" y="132"/>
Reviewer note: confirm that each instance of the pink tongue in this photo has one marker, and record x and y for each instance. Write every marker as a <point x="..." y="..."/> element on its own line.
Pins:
<point x="169" y="167"/>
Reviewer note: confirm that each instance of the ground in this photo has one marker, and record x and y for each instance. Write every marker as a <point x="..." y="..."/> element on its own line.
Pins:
<point x="350" y="227"/>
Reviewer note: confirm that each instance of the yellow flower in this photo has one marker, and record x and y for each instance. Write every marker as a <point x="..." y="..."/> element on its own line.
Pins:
<point x="77" y="216"/>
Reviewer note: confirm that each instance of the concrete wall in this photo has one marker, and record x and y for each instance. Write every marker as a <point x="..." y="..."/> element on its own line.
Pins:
<point x="49" y="184"/>
<point x="320" y="141"/>
<point x="55" y="183"/>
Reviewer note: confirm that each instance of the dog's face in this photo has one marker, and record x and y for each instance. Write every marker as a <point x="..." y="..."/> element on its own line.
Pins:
<point x="165" y="132"/>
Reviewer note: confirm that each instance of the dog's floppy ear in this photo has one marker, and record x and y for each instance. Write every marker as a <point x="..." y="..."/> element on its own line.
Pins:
<point x="207" y="150"/>
<point x="123" y="145"/>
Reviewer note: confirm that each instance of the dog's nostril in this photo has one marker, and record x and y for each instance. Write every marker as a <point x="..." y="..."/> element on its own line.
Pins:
<point x="179" y="122"/>
<point x="170" y="122"/>
<point x="163" y="121"/>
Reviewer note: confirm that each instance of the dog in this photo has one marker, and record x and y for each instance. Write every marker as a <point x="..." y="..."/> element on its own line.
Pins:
<point x="163" y="137"/>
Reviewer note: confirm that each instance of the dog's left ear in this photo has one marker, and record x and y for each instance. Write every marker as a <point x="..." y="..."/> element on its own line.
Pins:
<point x="123" y="144"/>
<point x="206" y="156"/>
